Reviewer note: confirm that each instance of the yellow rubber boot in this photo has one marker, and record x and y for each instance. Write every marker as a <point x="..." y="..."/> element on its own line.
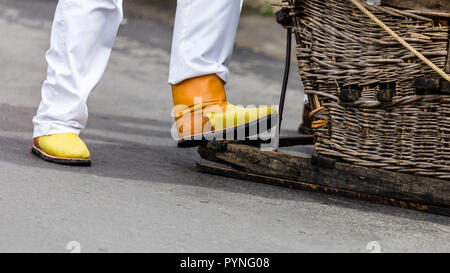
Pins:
<point x="202" y="113"/>
<point x="67" y="148"/>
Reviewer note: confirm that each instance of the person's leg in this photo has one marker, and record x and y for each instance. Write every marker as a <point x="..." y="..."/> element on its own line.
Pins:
<point x="203" y="38"/>
<point x="82" y="36"/>
<point x="203" y="42"/>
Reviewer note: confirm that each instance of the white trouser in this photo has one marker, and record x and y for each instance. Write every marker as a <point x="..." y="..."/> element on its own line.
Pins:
<point x="83" y="34"/>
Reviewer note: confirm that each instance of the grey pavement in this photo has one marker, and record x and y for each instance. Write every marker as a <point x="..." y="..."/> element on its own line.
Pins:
<point x="142" y="193"/>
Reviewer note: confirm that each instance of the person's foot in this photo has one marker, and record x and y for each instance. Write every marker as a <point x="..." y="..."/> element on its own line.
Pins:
<point x="306" y="126"/>
<point x="202" y="114"/>
<point x="67" y="149"/>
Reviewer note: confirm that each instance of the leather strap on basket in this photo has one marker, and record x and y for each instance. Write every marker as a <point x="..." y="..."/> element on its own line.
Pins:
<point x="401" y="40"/>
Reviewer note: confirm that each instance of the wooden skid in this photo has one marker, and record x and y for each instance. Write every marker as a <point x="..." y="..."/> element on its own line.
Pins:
<point x="216" y="170"/>
<point x="326" y="175"/>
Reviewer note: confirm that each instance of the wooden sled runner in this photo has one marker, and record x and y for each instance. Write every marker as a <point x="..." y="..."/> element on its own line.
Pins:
<point x="306" y="171"/>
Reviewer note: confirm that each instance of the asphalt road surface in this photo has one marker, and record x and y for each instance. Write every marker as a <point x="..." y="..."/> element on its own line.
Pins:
<point x="142" y="193"/>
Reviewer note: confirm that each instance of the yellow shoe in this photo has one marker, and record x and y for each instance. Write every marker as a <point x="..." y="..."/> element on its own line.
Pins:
<point x="202" y="113"/>
<point x="66" y="149"/>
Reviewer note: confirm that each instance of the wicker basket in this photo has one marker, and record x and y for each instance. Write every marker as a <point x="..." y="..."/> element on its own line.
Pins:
<point x="363" y="85"/>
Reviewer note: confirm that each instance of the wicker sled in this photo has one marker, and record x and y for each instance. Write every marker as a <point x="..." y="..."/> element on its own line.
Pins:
<point x="375" y="103"/>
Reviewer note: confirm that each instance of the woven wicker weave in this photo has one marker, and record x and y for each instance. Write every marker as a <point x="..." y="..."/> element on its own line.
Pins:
<point x="340" y="47"/>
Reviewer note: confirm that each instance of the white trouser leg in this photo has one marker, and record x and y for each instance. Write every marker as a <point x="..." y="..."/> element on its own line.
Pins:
<point x="204" y="36"/>
<point x="82" y="37"/>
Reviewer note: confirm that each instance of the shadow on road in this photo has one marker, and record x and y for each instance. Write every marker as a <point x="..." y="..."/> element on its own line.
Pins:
<point x="156" y="163"/>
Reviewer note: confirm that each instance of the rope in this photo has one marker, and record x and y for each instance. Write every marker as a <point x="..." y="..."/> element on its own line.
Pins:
<point x="401" y="40"/>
